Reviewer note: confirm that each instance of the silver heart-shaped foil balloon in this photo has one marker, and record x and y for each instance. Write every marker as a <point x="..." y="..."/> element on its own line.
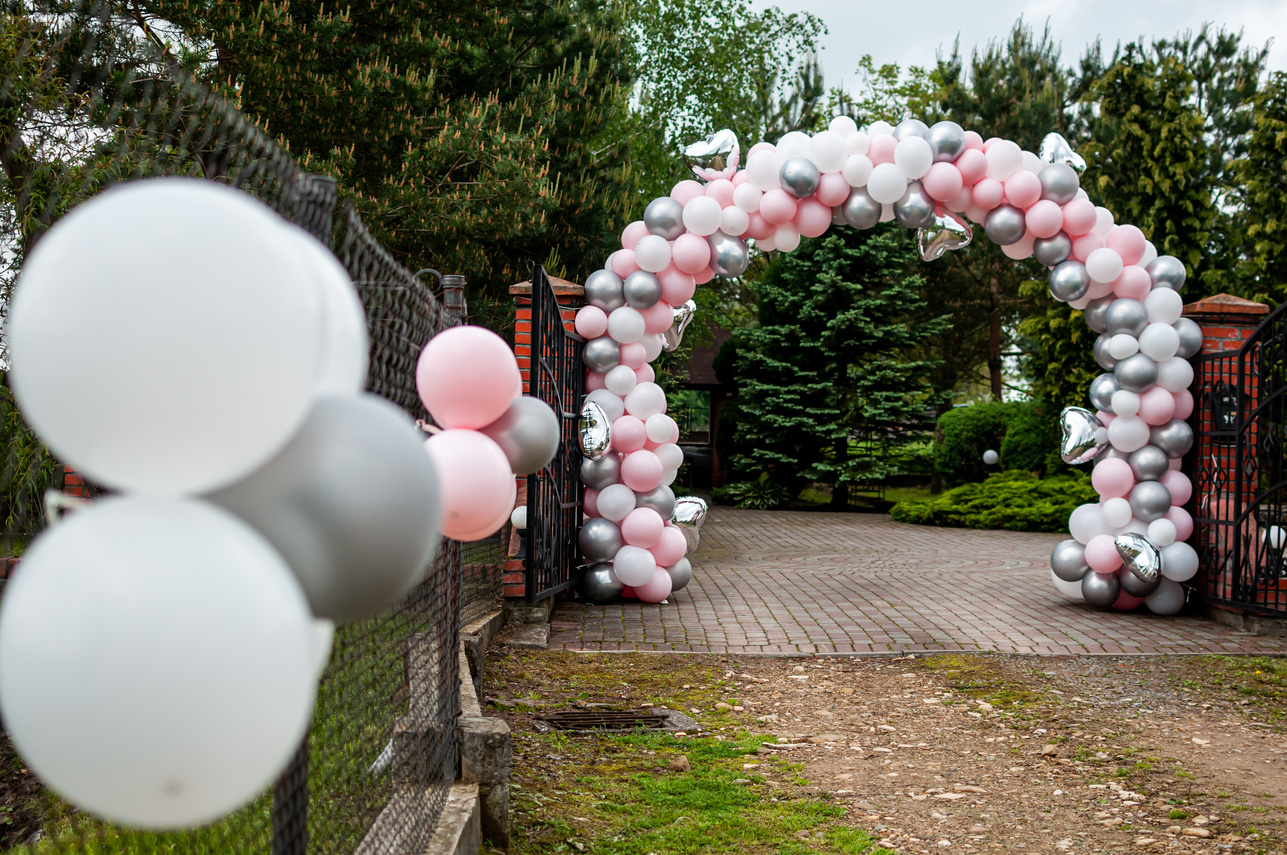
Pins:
<point x="717" y="156"/>
<point x="1055" y="149"/>
<point x="1140" y="556"/>
<point x="947" y="233"/>
<point x="690" y="513"/>
<point x="674" y="336"/>
<point x="1084" y="436"/>
<point x="595" y="431"/>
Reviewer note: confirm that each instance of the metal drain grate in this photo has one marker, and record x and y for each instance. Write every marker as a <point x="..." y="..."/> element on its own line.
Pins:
<point x="604" y="720"/>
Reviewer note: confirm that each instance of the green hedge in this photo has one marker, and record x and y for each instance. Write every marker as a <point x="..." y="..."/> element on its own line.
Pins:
<point x="1014" y="501"/>
<point x="1025" y="434"/>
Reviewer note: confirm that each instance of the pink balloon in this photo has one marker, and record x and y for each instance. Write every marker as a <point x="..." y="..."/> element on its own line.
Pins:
<point x="1045" y="219"/>
<point x="1105" y="419"/>
<point x="812" y="218"/>
<point x="1022" y="248"/>
<point x="475" y="482"/>
<point x="1112" y="478"/>
<point x="740" y="178"/>
<point x="973" y="167"/>
<point x="645" y="374"/>
<point x="632" y="233"/>
<point x="1183" y="523"/>
<point x="635" y="355"/>
<point x="975" y="214"/>
<point x="882" y="148"/>
<point x="758" y="147"/>
<point x="1125" y="602"/>
<point x="674" y="434"/>
<point x="721" y="190"/>
<point x="1101" y="554"/>
<point x="623" y="263"/>
<point x="590" y="502"/>
<point x="642" y="527"/>
<point x="1023" y="189"/>
<point x="690" y="253"/>
<point x="760" y="228"/>
<point x="467" y="377"/>
<point x="671" y="547"/>
<point x="778" y="207"/>
<point x="656" y="589"/>
<point x="1179" y="486"/>
<point x="591" y="322"/>
<point x="656" y="320"/>
<point x="495" y="524"/>
<point x="676" y="286"/>
<point x="1175" y="463"/>
<point x="1128" y="242"/>
<point x="1086" y="244"/>
<point x="1097" y="290"/>
<point x="628" y="434"/>
<point x="989" y="142"/>
<point x="686" y="191"/>
<point x="641" y="471"/>
<point x="594" y="380"/>
<point x="988" y="193"/>
<point x="1134" y="283"/>
<point x="961" y="201"/>
<point x="628" y="593"/>
<point x="1183" y="404"/>
<point x="942" y="182"/>
<point x="700" y="279"/>
<point x="1079" y="217"/>
<point x="833" y="189"/>
<point x="1157" y="406"/>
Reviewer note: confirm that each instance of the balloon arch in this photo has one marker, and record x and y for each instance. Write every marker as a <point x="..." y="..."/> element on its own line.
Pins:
<point x="1125" y="551"/>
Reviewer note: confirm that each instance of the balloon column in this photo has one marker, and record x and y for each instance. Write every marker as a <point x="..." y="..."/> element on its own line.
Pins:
<point x="937" y="180"/>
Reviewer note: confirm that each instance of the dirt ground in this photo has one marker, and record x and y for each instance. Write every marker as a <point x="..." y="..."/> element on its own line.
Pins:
<point x="949" y="753"/>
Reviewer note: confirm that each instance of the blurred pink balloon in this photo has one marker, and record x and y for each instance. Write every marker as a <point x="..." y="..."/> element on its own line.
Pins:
<point x="812" y="218"/>
<point x="1183" y="404"/>
<point x="1157" y="406"/>
<point x="657" y="589"/>
<point x="942" y="182"/>
<point x="623" y="263"/>
<point x="475" y="481"/>
<point x="1045" y="219"/>
<point x="690" y="253"/>
<point x="973" y="167"/>
<point x="778" y="207"/>
<point x="628" y="434"/>
<point x="961" y="201"/>
<point x="972" y="142"/>
<point x="1023" y="189"/>
<point x="591" y="322"/>
<point x="590" y="502"/>
<point x="1134" y="283"/>
<point x="1105" y="419"/>
<point x="686" y="191"/>
<point x="989" y="142"/>
<point x="1179" y="486"/>
<point x="643" y="527"/>
<point x="882" y="148"/>
<point x="467" y="377"/>
<point x="1086" y="244"/>
<point x="1112" y="478"/>
<point x="670" y="547"/>
<point x="1079" y="217"/>
<point x="1128" y="242"/>
<point x="1101" y="554"/>
<point x="1022" y="248"/>
<point x="629" y="593"/>
<point x="631" y="234"/>
<point x="1183" y="522"/>
<point x="700" y="279"/>
<point x="594" y="380"/>
<point x="987" y="194"/>
<point x="1125" y="602"/>
<point x="833" y="189"/>
<point x="645" y="374"/>
<point x="496" y="524"/>
<point x="677" y="287"/>
<point x="760" y="228"/>
<point x="758" y="147"/>
<point x="642" y="470"/>
<point x="740" y="178"/>
<point x="634" y="355"/>
<point x="721" y="190"/>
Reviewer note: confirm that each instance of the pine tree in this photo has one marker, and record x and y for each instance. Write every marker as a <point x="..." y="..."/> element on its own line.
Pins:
<point x="1263" y="270"/>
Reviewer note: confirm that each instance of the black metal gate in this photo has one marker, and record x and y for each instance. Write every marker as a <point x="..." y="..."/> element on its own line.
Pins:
<point x="554" y="493"/>
<point x="1240" y="472"/>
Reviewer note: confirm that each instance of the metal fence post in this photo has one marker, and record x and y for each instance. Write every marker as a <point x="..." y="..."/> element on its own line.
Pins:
<point x="453" y="297"/>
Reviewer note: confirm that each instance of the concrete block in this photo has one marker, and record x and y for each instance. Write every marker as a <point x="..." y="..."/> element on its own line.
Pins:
<point x="459" y="829"/>
<point x="520" y="611"/>
<point x="486" y="752"/>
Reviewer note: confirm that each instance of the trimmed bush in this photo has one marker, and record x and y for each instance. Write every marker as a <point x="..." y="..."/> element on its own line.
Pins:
<point x="1014" y="501"/>
<point x="1025" y="434"/>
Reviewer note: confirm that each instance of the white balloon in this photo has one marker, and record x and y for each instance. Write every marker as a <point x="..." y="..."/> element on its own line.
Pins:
<point x="880" y="128"/>
<point x="796" y="144"/>
<point x="518" y="518"/>
<point x="1164" y="305"/>
<point x="766" y="244"/>
<point x="1159" y="342"/>
<point x="914" y="157"/>
<point x="1125" y="403"/>
<point x="646" y="400"/>
<point x="1071" y="590"/>
<point x="786" y="238"/>
<point x="668" y="477"/>
<point x="164" y="337"/>
<point x="652" y="253"/>
<point x="702" y="217"/>
<point x="859" y="143"/>
<point x="1087" y="521"/>
<point x="829" y="151"/>
<point x="660" y="427"/>
<point x="1175" y="374"/>
<point x="1275" y="536"/>
<point x="626" y="324"/>
<point x="653" y="346"/>
<point x="1032" y="163"/>
<point x="345" y="344"/>
<point x="857" y="170"/>
<point x="613" y="407"/>
<point x="1128" y="433"/>
<point x="615" y="502"/>
<point x="1179" y="562"/>
<point x="1162" y="532"/>
<point x="157" y="661"/>
<point x="1104" y="264"/>
<point x="1005" y="158"/>
<point x="633" y="565"/>
<point x="887" y="183"/>
<point x="734" y="221"/>
<point x="1103" y="222"/>
<point x="886" y="213"/>
<point x="671" y="456"/>
<point x="1116" y="512"/>
<point x="1123" y="345"/>
<point x="1150" y="254"/>
<point x="843" y="126"/>
<point x="620" y="380"/>
<point x="763" y="168"/>
<point x="1135" y="527"/>
<point x="1167" y="599"/>
<point x="747" y="197"/>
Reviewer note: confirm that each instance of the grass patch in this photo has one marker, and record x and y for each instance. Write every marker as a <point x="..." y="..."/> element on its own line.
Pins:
<point x="1260" y="680"/>
<point x="976" y="678"/>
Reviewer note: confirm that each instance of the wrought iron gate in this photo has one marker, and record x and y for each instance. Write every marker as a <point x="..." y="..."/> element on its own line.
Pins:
<point x="1240" y="475"/>
<point x="554" y="493"/>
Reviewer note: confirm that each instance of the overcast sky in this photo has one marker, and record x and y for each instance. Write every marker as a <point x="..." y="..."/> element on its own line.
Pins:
<point x="910" y="32"/>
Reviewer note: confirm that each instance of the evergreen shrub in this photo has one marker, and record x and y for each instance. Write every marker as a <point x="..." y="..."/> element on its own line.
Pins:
<point x="1013" y="501"/>
<point x="1025" y="434"/>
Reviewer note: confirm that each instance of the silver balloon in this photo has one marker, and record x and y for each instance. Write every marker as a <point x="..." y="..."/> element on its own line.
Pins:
<point x="601" y="354"/>
<point x="1059" y="183"/>
<point x="603" y="289"/>
<point x="717" y="156"/>
<point x="1083" y="435"/>
<point x="661" y="500"/>
<point x="690" y="513"/>
<point x="665" y="216"/>
<point x="604" y="472"/>
<point x="838" y="216"/>
<point x="595" y="431"/>
<point x="1100" y="590"/>
<point x="1052" y="251"/>
<point x="1140" y="558"/>
<point x="1190" y="337"/>
<point x="641" y="289"/>
<point x="1167" y="271"/>
<point x="799" y="177"/>
<point x="1135" y="373"/>
<point x="1110" y="453"/>
<point x="1149" y="463"/>
<point x="1069" y="281"/>
<point x="916" y="209"/>
<point x="1134" y="585"/>
<point x="1103" y="358"/>
<point x="1127" y="316"/>
<point x="910" y="128"/>
<point x="947" y="233"/>
<point x="1055" y="149"/>
<point x="947" y="141"/>
<point x="1068" y="560"/>
<point x="681" y="573"/>
<point x="673" y="337"/>
<point x="862" y="211"/>
<point x="1101" y="392"/>
<point x="1005" y="225"/>
<point x="1175" y="438"/>
<point x="1096" y="314"/>
<point x="1150" y="500"/>
<point x="600" y="585"/>
<point x="351" y="503"/>
<point x="529" y="433"/>
<point x="599" y="539"/>
<point x="729" y="256"/>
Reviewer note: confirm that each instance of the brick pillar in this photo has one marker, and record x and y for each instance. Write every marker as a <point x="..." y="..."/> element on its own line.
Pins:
<point x="1226" y="321"/>
<point x="73" y="484"/>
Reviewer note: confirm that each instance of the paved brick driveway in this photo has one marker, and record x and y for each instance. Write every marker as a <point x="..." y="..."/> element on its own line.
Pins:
<point x="789" y="582"/>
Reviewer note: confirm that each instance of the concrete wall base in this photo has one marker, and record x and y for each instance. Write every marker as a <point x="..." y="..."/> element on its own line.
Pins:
<point x="1254" y="624"/>
<point x="459" y="829"/>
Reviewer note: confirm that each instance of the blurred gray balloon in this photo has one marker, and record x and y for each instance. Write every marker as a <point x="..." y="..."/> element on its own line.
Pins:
<point x="1069" y="281"/>
<point x="910" y="128"/>
<point x="990" y="457"/>
<point x="1150" y="500"/>
<point x="1134" y="585"/>
<point x="1135" y="373"/>
<point x="604" y="472"/>
<point x="1055" y="149"/>
<point x="1083" y="435"/>
<point x="661" y="500"/>
<point x="665" y="216"/>
<point x="603" y="288"/>
<point x="1140" y="557"/>
<point x="799" y="177"/>
<point x="690" y="513"/>
<point x="1168" y="599"/>
<point x="1100" y="590"/>
<point x="641" y="290"/>
<point x="838" y="216"/>
<point x="1190" y="337"/>
<point x="1167" y="271"/>
<point x="681" y="573"/>
<point x="1068" y="560"/>
<point x="1005" y="225"/>
<point x="717" y="156"/>
<point x="947" y="233"/>
<point x="1103" y="358"/>
<point x="529" y="433"/>
<point x="1111" y="453"/>
<point x="673" y="337"/>
<point x="915" y="209"/>
<point x="1052" y="251"/>
<point x="595" y="431"/>
<point x="862" y="211"/>
<point x="599" y="585"/>
<point x="947" y="141"/>
<point x="1096" y="314"/>
<point x="1101" y="392"/>
<point x="1175" y="438"/>
<point x="351" y="503"/>
<point x="1059" y="183"/>
<point x="1149" y="463"/>
<point x="601" y="354"/>
<point x="729" y="256"/>
<point x="1127" y="316"/>
<point x="599" y="539"/>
